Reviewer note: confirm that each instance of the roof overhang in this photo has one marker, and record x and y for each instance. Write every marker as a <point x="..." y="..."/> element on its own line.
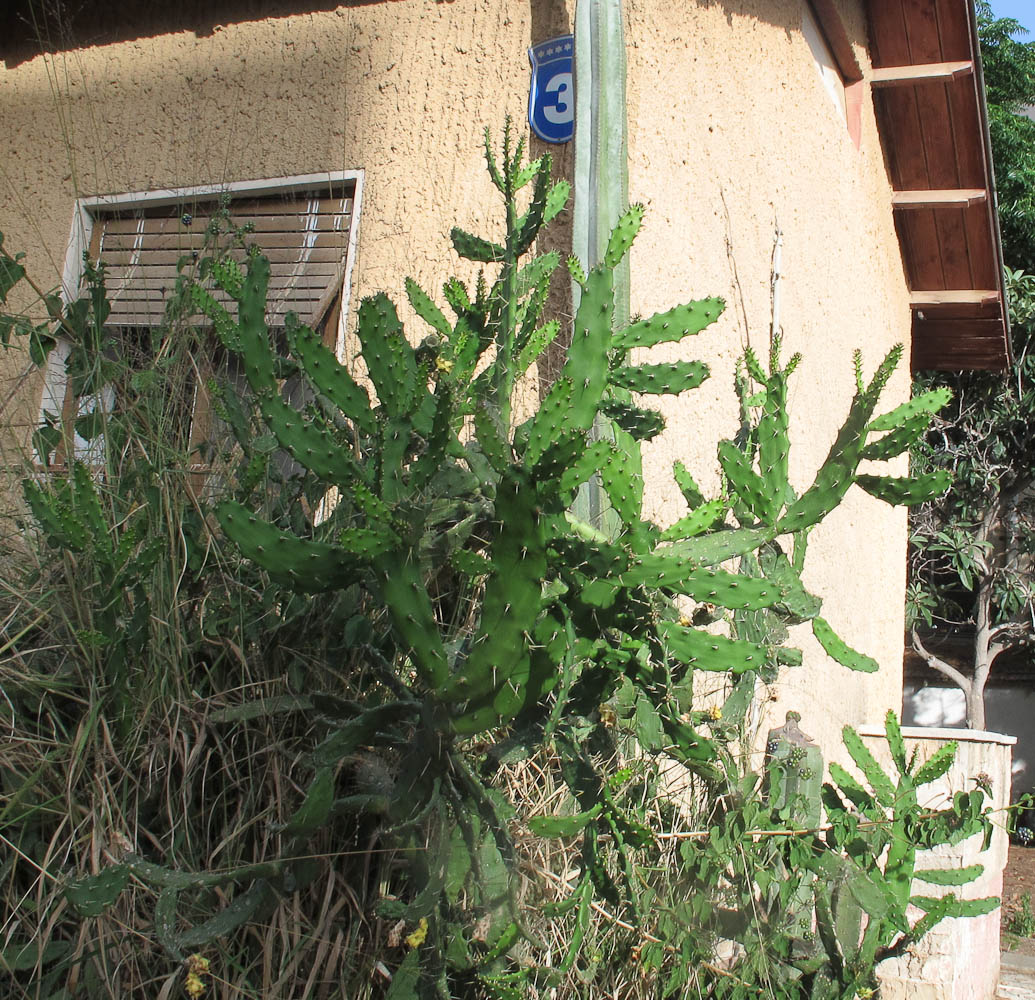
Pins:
<point x="929" y="99"/>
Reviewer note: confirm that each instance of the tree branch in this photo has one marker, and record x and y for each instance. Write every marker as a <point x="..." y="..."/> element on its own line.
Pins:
<point x="937" y="663"/>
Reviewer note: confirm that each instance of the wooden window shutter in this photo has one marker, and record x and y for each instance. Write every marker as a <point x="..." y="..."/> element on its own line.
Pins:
<point x="304" y="235"/>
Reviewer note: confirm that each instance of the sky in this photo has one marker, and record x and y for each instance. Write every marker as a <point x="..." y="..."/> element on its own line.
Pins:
<point x="1019" y="10"/>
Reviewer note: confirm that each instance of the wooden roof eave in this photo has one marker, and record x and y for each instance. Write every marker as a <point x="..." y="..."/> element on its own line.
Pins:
<point x="993" y="204"/>
<point x="930" y="104"/>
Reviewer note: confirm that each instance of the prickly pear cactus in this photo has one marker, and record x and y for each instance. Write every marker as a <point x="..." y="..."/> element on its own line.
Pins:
<point x="500" y="614"/>
<point x="763" y="499"/>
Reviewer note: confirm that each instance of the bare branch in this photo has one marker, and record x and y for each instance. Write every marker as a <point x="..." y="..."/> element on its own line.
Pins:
<point x="937" y="663"/>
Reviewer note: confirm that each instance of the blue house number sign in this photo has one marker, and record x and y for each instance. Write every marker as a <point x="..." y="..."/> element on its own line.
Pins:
<point x="551" y="101"/>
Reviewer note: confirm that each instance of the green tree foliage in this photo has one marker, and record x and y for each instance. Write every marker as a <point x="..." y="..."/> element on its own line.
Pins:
<point x="1009" y="65"/>
<point x="971" y="565"/>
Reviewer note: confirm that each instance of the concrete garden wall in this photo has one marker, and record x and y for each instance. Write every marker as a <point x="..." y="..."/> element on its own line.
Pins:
<point x="959" y="959"/>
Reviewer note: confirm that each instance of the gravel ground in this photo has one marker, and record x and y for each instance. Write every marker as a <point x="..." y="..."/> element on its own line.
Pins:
<point x="1018" y="879"/>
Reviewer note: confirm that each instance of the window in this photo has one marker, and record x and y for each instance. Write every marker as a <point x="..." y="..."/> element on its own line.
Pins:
<point x="835" y="60"/>
<point x="305" y="226"/>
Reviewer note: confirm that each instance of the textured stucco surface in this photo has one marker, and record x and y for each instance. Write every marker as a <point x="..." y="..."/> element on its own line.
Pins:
<point x="399" y="90"/>
<point x="731" y="134"/>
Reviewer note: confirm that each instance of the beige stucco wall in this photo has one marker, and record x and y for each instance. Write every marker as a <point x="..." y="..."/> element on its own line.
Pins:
<point x="731" y="134"/>
<point x="399" y="90"/>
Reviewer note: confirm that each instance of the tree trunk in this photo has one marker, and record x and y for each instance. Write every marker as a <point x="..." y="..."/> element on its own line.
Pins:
<point x="973" y="690"/>
<point x="975" y="705"/>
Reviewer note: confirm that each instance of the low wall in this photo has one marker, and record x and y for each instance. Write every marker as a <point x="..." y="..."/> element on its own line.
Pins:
<point x="959" y="959"/>
<point x="1008" y="709"/>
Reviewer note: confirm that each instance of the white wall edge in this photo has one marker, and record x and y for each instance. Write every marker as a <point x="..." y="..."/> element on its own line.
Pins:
<point x="933" y="733"/>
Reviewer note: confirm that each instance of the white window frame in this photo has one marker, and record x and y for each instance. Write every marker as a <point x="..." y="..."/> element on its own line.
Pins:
<point x="85" y="215"/>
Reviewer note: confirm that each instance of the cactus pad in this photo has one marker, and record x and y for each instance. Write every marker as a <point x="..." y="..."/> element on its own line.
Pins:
<point x="671" y="325"/>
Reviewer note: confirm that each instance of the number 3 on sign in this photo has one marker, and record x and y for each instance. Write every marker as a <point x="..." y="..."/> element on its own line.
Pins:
<point x="551" y="99"/>
<point x="562" y="111"/>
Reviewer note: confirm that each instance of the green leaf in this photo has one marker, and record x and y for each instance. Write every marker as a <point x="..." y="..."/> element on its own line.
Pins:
<point x="705" y="651"/>
<point x="260" y="708"/>
<point x="316" y="807"/>
<point x="389" y="358"/>
<point x="459" y="865"/>
<point x="165" y="921"/>
<point x="40" y="345"/>
<point x="424" y="307"/>
<point x="671" y="325"/>
<point x="718" y="546"/>
<point x="623" y="234"/>
<point x="91" y="425"/>
<point x="672" y="378"/>
<point x="354" y="733"/>
<point x="650" y="733"/>
<point x="244" y="905"/>
<point x="538" y="341"/>
<point x="556" y="199"/>
<point x="908" y="490"/>
<point x="797" y="603"/>
<point x="526" y="173"/>
<point x="475" y="248"/>
<point x="305" y="565"/>
<point x="754" y="491"/>
<point x="330" y="378"/>
<point x="563" y="826"/>
<point x="937" y="765"/>
<point x="898" y="441"/>
<point x="697" y="521"/>
<point x="926" y="403"/>
<point x="974" y="907"/>
<point x="491" y="438"/>
<point x="11" y="271"/>
<point x="950" y="906"/>
<point x="895" y="742"/>
<point x="688" y="487"/>
<point x="23" y="956"/>
<point x="871" y="896"/>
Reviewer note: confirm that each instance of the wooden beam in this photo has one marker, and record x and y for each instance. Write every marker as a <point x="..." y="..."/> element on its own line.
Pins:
<point x="918" y="299"/>
<point x="899" y="76"/>
<point x="944" y="198"/>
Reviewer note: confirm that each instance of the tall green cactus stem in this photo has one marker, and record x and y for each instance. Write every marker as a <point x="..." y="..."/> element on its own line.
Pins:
<point x="601" y="180"/>
<point x="505" y="305"/>
<point x="795" y="767"/>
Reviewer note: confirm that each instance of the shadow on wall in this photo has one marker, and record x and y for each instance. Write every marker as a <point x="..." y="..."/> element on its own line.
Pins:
<point x="1009" y="710"/>
<point x="28" y="27"/>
